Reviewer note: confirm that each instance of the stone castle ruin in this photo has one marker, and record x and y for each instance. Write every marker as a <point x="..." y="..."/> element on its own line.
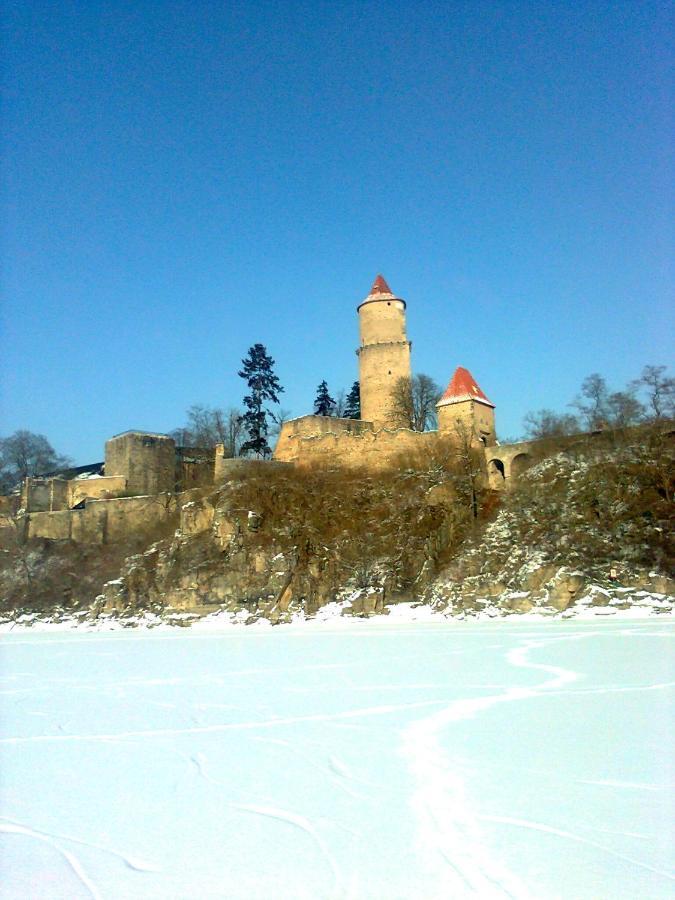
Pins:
<point x="144" y="474"/>
<point x="377" y="439"/>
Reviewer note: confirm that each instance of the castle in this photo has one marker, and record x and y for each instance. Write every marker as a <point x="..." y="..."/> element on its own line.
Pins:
<point x="377" y="438"/>
<point x="145" y="475"/>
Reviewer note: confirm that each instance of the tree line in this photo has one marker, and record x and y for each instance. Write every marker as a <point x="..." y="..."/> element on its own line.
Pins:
<point x="650" y="397"/>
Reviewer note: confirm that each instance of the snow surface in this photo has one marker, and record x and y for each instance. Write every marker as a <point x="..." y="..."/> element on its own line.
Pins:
<point x="519" y="758"/>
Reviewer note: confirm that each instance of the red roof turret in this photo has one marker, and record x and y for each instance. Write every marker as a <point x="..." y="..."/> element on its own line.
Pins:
<point x="380" y="286"/>
<point x="463" y="387"/>
<point x="380" y="291"/>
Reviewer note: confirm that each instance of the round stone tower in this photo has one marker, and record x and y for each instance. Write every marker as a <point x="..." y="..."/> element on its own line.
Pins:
<point x="384" y="354"/>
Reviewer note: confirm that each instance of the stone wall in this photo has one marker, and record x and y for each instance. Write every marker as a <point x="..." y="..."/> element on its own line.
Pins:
<point x="102" y="521"/>
<point x="348" y="442"/>
<point x="147" y="461"/>
<point x="194" y="467"/>
<point x="9" y="503"/>
<point x="226" y="468"/>
<point x="55" y="526"/>
<point x="54" y="494"/>
<point x="135" y="514"/>
<point x="36" y="494"/>
<point x="103" y="488"/>
<point x="477" y="419"/>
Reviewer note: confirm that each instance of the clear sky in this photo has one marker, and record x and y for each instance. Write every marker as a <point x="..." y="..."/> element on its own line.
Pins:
<point x="182" y="180"/>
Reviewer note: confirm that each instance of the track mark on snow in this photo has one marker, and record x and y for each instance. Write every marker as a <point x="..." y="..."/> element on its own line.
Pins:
<point x="131" y="862"/>
<point x="568" y="835"/>
<point x="70" y="858"/>
<point x="229" y="726"/>
<point x="298" y="821"/>
<point x="447" y="827"/>
<point x="629" y="785"/>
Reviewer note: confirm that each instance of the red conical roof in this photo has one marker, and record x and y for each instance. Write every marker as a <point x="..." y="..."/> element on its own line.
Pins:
<point x="380" y="286"/>
<point x="463" y="387"/>
<point x="380" y="291"/>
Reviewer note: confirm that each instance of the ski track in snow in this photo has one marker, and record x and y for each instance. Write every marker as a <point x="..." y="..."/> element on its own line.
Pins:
<point x="137" y="865"/>
<point x="301" y="822"/>
<point x="448" y="834"/>
<point x="570" y="836"/>
<point x="229" y="726"/>
<point x="71" y="859"/>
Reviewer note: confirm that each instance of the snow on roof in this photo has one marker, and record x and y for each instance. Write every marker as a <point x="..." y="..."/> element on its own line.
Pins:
<point x="380" y="286"/>
<point x="139" y="432"/>
<point x="381" y="291"/>
<point x="463" y="387"/>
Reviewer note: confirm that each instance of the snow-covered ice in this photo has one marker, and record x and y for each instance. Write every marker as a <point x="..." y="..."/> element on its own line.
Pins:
<point x="363" y="759"/>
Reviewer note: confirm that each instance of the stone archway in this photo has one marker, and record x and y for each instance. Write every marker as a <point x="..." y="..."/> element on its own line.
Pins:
<point x="519" y="464"/>
<point x="496" y="473"/>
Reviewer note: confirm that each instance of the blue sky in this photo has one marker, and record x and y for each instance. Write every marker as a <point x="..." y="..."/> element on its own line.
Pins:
<point x="183" y="180"/>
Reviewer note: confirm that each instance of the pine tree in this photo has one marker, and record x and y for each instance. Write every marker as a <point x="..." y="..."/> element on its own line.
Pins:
<point x="324" y="405"/>
<point x="353" y="407"/>
<point x="263" y="384"/>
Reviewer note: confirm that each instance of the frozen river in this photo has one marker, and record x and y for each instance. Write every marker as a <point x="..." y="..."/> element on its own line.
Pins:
<point x="510" y="759"/>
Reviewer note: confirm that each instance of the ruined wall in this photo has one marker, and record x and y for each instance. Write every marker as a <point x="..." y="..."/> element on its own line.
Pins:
<point x="103" y="488"/>
<point x="102" y="521"/>
<point x="306" y="427"/>
<point x="54" y="494"/>
<point x="194" y="467"/>
<point x="9" y="504"/>
<point x="227" y="468"/>
<point x="55" y="526"/>
<point x="354" y="447"/>
<point x="36" y="494"/>
<point x="147" y="461"/>
<point x="135" y="514"/>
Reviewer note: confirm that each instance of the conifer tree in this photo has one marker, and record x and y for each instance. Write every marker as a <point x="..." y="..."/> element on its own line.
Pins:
<point x="353" y="407"/>
<point x="324" y="405"/>
<point x="263" y="384"/>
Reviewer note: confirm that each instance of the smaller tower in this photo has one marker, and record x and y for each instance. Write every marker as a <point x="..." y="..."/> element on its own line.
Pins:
<point x="464" y="408"/>
<point x="384" y="354"/>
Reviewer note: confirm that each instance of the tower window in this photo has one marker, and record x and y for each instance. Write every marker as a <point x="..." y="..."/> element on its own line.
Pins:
<point x="388" y="302"/>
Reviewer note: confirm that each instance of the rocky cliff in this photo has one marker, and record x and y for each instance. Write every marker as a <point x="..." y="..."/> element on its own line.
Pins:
<point x="584" y="526"/>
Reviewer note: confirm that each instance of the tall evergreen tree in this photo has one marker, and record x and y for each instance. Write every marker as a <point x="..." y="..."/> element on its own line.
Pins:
<point x="263" y="384"/>
<point x="324" y="405"/>
<point x="353" y="407"/>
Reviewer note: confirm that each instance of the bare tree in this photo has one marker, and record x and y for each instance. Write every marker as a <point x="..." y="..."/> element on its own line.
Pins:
<point x="234" y="430"/>
<point x="278" y="418"/>
<point x="592" y="402"/>
<point x="26" y="454"/>
<point x="545" y="423"/>
<point x="468" y="466"/>
<point x="340" y="405"/>
<point x="207" y="426"/>
<point x="660" y="390"/>
<point x="414" y="402"/>
<point x="624" y="409"/>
